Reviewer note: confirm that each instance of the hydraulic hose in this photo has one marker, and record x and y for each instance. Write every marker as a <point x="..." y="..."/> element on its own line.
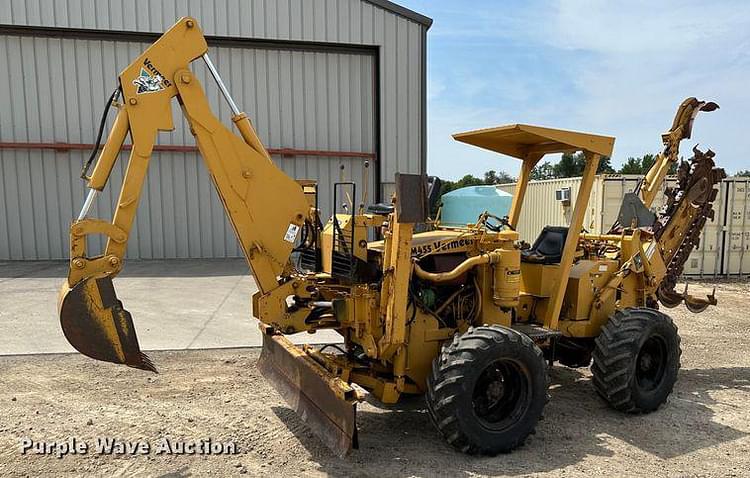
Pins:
<point x="462" y="268"/>
<point x="102" y="123"/>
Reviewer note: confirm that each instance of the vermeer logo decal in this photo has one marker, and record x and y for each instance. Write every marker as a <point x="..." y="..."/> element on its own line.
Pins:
<point x="440" y="246"/>
<point x="150" y="80"/>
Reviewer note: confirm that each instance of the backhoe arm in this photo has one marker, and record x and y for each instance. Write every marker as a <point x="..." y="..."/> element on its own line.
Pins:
<point x="249" y="184"/>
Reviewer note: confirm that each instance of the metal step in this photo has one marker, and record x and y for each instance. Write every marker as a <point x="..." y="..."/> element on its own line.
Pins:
<point x="536" y="332"/>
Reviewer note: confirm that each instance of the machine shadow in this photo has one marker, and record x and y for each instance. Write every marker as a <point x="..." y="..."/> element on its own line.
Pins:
<point x="182" y="472"/>
<point x="32" y="269"/>
<point x="186" y="268"/>
<point x="577" y="424"/>
<point x="133" y="268"/>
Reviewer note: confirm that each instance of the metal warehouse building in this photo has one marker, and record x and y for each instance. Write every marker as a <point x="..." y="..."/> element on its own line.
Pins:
<point x="331" y="85"/>
<point x="724" y="248"/>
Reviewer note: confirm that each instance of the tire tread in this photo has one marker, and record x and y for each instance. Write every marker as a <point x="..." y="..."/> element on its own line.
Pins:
<point x="614" y="356"/>
<point x="448" y="377"/>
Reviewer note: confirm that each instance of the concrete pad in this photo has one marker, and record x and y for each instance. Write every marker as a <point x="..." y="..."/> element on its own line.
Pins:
<point x="175" y="304"/>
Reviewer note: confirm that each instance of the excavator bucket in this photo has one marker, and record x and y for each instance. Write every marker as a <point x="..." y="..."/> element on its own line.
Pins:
<point x="323" y="401"/>
<point x="96" y="324"/>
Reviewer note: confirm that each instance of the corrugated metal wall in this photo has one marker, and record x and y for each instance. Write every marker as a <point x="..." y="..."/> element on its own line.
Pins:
<point x="180" y="214"/>
<point x="540" y="208"/>
<point x="336" y="21"/>
<point x="314" y="100"/>
<point x="724" y="247"/>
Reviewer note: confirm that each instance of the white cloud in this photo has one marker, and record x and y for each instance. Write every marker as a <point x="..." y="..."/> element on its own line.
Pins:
<point x="646" y="57"/>
<point x="620" y="68"/>
<point x="435" y="87"/>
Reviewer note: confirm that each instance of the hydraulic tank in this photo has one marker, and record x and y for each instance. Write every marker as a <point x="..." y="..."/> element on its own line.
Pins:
<point x="506" y="284"/>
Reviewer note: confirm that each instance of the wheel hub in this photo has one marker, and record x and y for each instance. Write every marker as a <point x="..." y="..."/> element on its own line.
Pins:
<point x="495" y="391"/>
<point x="646" y="362"/>
<point x="501" y="394"/>
<point x="651" y="363"/>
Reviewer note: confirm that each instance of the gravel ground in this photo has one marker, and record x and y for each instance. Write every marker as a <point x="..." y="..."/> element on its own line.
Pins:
<point x="218" y="394"/>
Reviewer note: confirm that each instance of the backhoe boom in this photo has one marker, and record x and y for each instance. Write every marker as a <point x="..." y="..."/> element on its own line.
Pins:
<point x="247" y="181"/>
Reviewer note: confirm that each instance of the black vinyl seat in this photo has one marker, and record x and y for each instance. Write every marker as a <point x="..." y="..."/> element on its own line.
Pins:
<point x="432" y="192"/>
<point x="548" y="247"/>
<point x="380" y="208"/>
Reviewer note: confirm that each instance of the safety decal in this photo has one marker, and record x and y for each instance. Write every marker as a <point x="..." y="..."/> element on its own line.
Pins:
<point x="291" y="233"/>
<point x="150" y="80"/>
<point x="513" y="275"/>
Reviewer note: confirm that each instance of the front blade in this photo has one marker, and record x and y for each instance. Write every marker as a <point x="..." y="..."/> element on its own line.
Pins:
<point x="96" y="324"/>
<point x="324" y="402"/>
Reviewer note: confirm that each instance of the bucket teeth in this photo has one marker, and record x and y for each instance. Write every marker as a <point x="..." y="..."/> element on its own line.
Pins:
<point x="146" y="364"/>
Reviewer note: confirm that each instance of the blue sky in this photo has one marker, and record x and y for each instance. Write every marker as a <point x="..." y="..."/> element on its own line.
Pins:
<point x="615" y="68"/>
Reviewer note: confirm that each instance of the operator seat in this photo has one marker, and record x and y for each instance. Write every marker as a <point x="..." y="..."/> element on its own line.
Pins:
<point x="433" y="196"/>
<point x="381" y="208"/>
<point x="548" y="247"/>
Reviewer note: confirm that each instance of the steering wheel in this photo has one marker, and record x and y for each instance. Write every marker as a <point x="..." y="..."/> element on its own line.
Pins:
<point x="501" y="223"/>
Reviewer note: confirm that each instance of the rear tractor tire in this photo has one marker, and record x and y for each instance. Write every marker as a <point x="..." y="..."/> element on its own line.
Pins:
<point x="636" y="360"/>
<point x="487" y="390"/>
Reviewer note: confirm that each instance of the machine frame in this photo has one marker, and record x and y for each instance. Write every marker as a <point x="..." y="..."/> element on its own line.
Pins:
<point x="409" y="306"/>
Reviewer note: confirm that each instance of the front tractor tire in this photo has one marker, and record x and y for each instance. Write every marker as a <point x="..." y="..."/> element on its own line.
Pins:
<point x="636" y="360"/>
<point x="487" y="390"/>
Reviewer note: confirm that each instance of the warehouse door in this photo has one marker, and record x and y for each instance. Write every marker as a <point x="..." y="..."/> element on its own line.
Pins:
<point x="313" y="109"/>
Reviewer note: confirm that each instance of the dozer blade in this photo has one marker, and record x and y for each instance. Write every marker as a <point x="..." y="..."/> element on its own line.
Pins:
<point x="95" y="323"/>
<point x="323" y="401"/>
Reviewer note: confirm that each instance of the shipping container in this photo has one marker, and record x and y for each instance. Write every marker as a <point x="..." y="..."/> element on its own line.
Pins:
<point x="724" y="248"/>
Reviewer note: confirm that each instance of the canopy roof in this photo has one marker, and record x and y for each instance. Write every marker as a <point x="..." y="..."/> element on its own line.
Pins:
<point x="521" y="140"/>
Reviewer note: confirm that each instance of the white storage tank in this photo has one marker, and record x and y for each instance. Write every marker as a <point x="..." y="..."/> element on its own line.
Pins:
<point x="463" y="206"/>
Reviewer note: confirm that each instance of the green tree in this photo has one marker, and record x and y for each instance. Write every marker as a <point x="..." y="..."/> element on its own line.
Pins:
<point x="743" y="173"/>
<point x="642" y="164"/>
<point x="543" y="171"/>
<point x="467" y="180"/>
<point x="605" y="166"/>
<point x="493" y="177"/>
<point x="631" y="166"/>
<point x="570" y="165"/>
<point x="490" y="177"/>
<point x="639" y="165"/>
